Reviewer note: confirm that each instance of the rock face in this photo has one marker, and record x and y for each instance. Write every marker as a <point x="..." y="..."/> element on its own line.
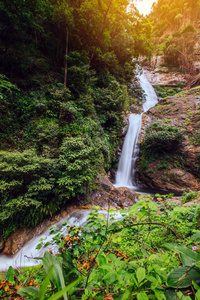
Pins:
<point x="160" y="75"/>
<point x="109" y="196"/>
<point x="176" y="170"/>
<point x="18" y="239"/>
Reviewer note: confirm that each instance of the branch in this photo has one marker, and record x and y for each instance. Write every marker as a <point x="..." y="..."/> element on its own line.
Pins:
<point x="151" y="223"/>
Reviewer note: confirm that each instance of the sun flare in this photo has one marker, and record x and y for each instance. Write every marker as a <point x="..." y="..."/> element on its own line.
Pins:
<point x="144" y="6"/>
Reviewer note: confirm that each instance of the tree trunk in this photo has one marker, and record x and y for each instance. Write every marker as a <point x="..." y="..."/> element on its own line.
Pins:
<point x="66" y="54"/>
<point x="36" y="40"/>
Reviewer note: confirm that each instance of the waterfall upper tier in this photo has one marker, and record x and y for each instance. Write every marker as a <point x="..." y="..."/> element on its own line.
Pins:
<point x="150" y="95"/>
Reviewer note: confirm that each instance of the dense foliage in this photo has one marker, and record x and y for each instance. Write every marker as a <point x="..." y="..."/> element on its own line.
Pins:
<point x="145" y="255"/>
<point x="171" y="15"/>
<point x="60" y="144"/>
<point x="160" y="137"/>
<point x="176" y="32"/>
<point x="67" y="69"/>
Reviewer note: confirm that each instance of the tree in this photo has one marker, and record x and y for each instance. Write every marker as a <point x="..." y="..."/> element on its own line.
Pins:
<point x="179" y="49"/>
<point x="63" y="16"/>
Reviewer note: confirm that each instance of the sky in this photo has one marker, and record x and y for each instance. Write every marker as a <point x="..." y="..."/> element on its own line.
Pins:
<point x="144" y="6"/>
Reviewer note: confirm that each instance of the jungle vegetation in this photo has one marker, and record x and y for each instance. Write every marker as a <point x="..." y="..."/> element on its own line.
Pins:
<point x="66" y="75"/>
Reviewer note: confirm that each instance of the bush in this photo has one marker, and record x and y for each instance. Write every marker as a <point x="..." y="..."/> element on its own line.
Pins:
<point x="162" y="138"/>
<point x="187" y="197"/>
<point x="165" y="91"/>
<point x="196" y="138"/>
<point x="179" y="49"/>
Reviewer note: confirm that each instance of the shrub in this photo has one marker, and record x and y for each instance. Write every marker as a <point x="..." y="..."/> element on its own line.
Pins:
<point x="162" y="138"/>
<point x="78" y="165"/>
<point x="196" y="138"/>
<point x="187" y="197"/>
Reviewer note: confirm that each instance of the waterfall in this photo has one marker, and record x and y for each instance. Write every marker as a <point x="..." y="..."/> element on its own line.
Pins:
<point x="130" y="151"/>
<point x="151" y="97"/>
<point x="127" y="160"/>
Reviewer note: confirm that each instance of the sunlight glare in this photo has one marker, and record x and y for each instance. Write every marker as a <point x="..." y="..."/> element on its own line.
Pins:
<point x="144" y="6"/>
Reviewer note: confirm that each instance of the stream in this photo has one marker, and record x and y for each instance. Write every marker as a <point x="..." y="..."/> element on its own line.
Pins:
<point x="125" y="178"/>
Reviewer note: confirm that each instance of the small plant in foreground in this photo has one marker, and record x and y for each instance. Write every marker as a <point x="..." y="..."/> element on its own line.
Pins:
<point x="187" y="197"/>
<point x="125" y="258"/>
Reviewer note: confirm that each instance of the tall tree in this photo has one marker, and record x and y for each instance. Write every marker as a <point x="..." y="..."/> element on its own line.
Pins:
<point x="63" y="16"/>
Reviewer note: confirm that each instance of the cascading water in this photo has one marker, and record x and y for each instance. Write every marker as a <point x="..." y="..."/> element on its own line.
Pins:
<point x="130" y="152"/>
<point x="127" y="160"/>
<point x="151" y="97"/>
<point x="25" y="257"/>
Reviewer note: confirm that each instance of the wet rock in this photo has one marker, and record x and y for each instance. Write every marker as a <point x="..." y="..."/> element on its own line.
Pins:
<point x="2" y="244"/>
<point x="18" y="239"/>
<point x="157" y="74"/>
<point x="112" y="175"/>
<point x="105" y="183"/>
<point x="115" y="198"/>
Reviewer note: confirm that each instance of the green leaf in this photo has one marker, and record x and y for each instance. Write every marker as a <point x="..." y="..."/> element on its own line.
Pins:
<point x="106" y="267"/>
<point x="65" y="290"/>
<point x="126" y="295"/>
<point x="196" y="286"/>
<point x="49" y="260"/>
<point x="111" y="277"/>
<point x="10" y="275"/>
<point x="142" y="296"/>
<point x="38" y="247"/>
<point x="61" y="278"/>
<point x="28" y="291"/>
<point x="197" y="295"/>
<point x="178" y="278"/>
<point x="192" y="256"/>
<point x="140" y="274"/>
<point x="44" y="285"/>
<point x="186" y="260"/>
<point x="195" y="236"/>
<point x="170" y="294"/>
<point x="159" y="294"/>
<point x="101" y="260"/>
<point x="182" y="297"/>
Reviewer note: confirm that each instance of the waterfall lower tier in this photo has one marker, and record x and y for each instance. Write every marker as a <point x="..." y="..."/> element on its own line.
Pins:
<point x="126" y="171"/>
<point x="130" y="151"/>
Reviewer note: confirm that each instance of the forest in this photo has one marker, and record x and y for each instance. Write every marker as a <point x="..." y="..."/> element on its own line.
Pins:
<point x="68" y="76"/>
<point x="67" y="69"/>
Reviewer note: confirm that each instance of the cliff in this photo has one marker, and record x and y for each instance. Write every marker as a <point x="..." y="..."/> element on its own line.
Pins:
<point x="178" y="168"/>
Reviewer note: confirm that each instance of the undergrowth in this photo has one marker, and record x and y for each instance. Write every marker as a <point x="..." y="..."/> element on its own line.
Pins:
<point x="132" y="258"/>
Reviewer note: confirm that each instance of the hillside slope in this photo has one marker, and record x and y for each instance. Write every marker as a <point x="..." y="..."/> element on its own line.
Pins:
<point x="166" y="161"/>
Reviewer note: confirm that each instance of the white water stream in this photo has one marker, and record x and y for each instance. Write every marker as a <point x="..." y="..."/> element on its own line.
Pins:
<point x="130" y="152"/>
<point x="125" y="178"/>
<point x="25" y="257"/>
